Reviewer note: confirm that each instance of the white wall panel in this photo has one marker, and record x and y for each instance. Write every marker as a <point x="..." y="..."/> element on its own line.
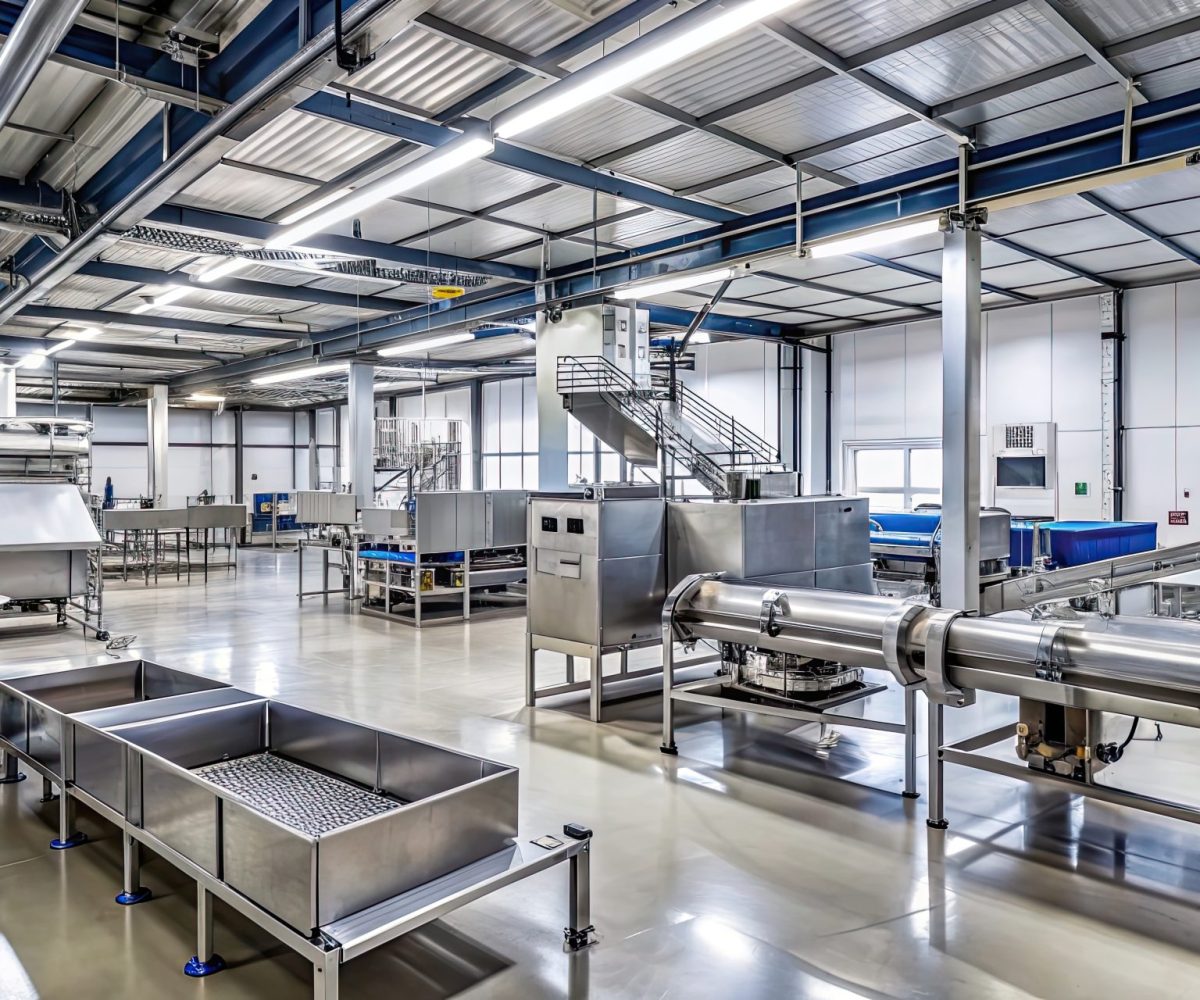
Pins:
<point x="879" y="388"/>
<point x="273" y="466"/>
<point x="261" y="427"/>
<point x="223" y="428"/>
<point x="189" y="471"/>
<point x="1187" y="360"/>
<point x="1079" y="460"/>
<point x="1150" y="476"/>
<point x="127" y="466"/>
<point x="1019" y="362"/>
<point x="1150" y="357"/>
<point x="923" y="379"/>
<point x="223" y="476"/>
<point x="186" y="426"/>
<point x="119" y="424"/>
<point x="1075" y="364"/>
<point x="1187" y="485"/>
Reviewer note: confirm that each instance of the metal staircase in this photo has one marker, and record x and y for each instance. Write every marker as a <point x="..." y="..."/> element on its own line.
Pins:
<point x="640" y="422"/>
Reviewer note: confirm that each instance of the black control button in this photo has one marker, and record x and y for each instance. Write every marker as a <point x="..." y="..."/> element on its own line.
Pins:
<point x="549" y="524"/>
<point x="574" y="525"/>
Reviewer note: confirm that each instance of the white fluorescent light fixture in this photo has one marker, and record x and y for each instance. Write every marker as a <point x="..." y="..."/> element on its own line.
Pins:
<point x="875" y="238"/>
<point x="297" y="374"/>
<point x="165" y="299"/>
<point x="428" y="344"/>
<point x="304" y="211"/>
<point x="227" y="267"/>
<point x="35" y="360"/>
<point x="676" y="282"/>
<point x="62" y="345"/>
<point x="205" y="397"/>
<point x="441" y="161"/>
<point x="622" y="72"/>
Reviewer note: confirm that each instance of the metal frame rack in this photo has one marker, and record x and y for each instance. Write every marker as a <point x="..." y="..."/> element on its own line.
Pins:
<point x="163" y="539"/>
<point x="129" y="740"/>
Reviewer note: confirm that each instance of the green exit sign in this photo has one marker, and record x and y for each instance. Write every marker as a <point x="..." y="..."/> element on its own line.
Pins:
<point x="1081" y="489"/>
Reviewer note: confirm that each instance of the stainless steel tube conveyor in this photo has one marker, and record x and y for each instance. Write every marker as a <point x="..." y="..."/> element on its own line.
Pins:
<point x="335" y="837"/>
<point x="1078" y="682"/>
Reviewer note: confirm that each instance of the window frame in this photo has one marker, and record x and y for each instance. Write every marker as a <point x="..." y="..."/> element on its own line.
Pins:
<point x="906" y="491"/>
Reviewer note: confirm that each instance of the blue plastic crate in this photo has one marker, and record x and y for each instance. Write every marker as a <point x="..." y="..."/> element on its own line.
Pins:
<point x="1073" y="543"/>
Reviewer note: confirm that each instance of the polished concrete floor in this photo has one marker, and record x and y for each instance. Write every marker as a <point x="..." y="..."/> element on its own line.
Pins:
<point x="740" y="868"/>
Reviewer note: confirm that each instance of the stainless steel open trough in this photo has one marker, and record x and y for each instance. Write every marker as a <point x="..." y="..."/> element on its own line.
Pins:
<point x="313" y="826"/>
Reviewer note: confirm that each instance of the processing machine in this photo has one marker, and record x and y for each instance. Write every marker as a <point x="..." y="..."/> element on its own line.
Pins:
<point x="334" y="837"/>
<point x="1082" y="682"/>
<point x="442" y="556"/>
<point x="147" y="540"/>
<point x="330" y="521"/>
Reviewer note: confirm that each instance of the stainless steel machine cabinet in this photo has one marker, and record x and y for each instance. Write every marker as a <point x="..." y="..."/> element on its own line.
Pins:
<point x="325" y="507"/>
<point x="49" y="550"/>
<point x="794" y="542"/>
<point x="147" y="540"/>
<point x="597" y="580"/>
<point x="333" y="836"/>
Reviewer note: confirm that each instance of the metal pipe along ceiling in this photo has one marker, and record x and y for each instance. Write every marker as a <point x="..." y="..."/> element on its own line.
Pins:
<point x="37" y="33"/>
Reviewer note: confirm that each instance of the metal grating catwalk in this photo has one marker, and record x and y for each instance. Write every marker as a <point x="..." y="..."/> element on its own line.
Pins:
<point x="297" y="796"/>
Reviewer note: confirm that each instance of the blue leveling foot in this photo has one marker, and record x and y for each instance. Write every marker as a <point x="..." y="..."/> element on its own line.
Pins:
<point x="198" y="970"/>
<point x="73" y="841"/>
<point x="139" y="895"/>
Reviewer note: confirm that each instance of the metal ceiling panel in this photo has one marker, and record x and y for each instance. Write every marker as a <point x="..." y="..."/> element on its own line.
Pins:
<point x="1164" y="55"/>
<point x="597" y="129"/>
<point x="487" y="349"/>
<point x="1162" y="188"/>
<point x="1122" y="20"/>
<point x="202" y="298"/>
<point x="478" y="185"/>
<point x="1180" y="270"/>
<point x="826" y="110"/>
<point x="1062" y="286"/>
<point x="906" y="148"/>
<point x="648" y="228"/>
<point x="225" y="188"/>
<point x="394" y="221"/>
<point x="849" y="308"/>
<point x="797" y="297"/>
<point x="686" y="160"/>
<point x="83" y="292"/>
<point x="527" y="25"/>
<point x="739" y="309"/>
<point x="58" y="96"/>
<point x="1173" y="80"/>
<point x="298" y="143"/>
<point x="1072" y="237"/>
<point x="1135" y="254"/>
<point x="1020" y="274"/>
<point x="976" y="55"/>
<point x="898" y="316"/>
<point x="814" y="269"/>
<point x="129" y="252"/>
<point x="995" y="255"/>
<point x="426" y="71"/>
<point x="925" y="293"/>
<point x="1171" y="219"/>
<point x="739" y="67"/>
<point x="473" y="239"/>
<point x="849" y="26"/>
<point x="564" y="208"/>
<point x="873" y="280"/>
<point x="1023" y="218"/>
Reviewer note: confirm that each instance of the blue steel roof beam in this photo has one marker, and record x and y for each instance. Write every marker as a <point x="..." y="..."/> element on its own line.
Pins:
<point x="271" y="77"/>
<point x="1162" y="128"/>
<point x="550" y="71"/>
<point x="100" y="347"/>
<point x="1151" y="234"/>
<point x="100" y="317"/>
<point x="385" y="121"/>
<point x="239" y="227"/>
<point x="1076" y="28"/>
<point x="594" y="34"/>
<point x="241" y="286"/>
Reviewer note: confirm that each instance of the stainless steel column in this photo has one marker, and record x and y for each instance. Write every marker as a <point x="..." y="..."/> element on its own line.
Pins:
<point x="961" y="318"/>
<point x="156" y="444"/>
<point x="8" y="392"/>
<point x="361" y="464"/>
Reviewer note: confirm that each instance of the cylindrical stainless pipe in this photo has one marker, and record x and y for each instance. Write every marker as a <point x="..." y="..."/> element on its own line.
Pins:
<point x="1157" y="658"/>
<point x="40" y="27"/>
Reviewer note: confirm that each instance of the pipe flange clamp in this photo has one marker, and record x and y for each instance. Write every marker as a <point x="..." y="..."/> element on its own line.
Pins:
<point x="937" y="688"/>
<point x="895" y="642"/>
<point x="774" y="603"/>
<point x="1048" y="667"/>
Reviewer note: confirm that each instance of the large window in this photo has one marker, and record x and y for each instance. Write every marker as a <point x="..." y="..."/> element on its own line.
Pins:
<point x="895" y="475"/>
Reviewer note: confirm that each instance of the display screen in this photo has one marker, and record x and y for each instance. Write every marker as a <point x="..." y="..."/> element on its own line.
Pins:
<point x="1021" y="472"/>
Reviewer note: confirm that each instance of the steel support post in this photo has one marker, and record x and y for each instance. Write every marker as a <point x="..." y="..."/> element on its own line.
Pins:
<point x="361" y="463"/>
<point x="156" y="441"/>
<point x="961" y="313"/>
<point x="206" y="961"/>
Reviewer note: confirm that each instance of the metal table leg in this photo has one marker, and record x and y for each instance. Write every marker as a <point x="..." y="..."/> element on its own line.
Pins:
<point x="300" y="571"/>
<point x="597" y="664"/>
<point x="68" y="836"/>
<point x="325" y="975"/>
<point x="325" y="576"/>
<point x="579" y="929"/>
<point x="132" y="890"/>
<point x="48" y="794"/>
<point x="910" y="743"/>
<point x="937" y="805"/>
<point x="668" y="727"/>
<point x="10" y="774"/>
<point x="205" y="962"/>
<point x="530" y="672"/>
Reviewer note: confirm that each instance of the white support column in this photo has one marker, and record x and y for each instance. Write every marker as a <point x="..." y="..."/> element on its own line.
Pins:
<point x="8" y="392"/>
<point x="156" y="445"/>
<point x="812" y="422"/>
<point x="961" y="319"/>
<point x="360" y="436"/>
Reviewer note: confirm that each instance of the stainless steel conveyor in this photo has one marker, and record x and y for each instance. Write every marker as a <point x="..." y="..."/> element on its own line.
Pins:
<point x="335" y="837"/>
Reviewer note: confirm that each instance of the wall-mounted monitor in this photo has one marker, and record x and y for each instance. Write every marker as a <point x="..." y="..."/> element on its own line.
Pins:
<point x="1028" y="471"/>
